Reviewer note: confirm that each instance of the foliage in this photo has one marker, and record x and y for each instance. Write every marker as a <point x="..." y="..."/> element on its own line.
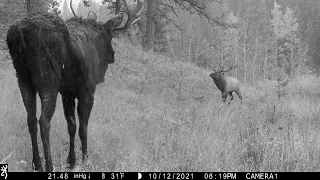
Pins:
<point x="54" y="7"/>
<point x="314" y="44"/>
<point x="203" y="8"/>
<point x="83" y="9"/>
<point x="155" y="115"/>
<point x="277" y="22"/>
<point x="38" y="5"/>
<point x="230" y="36"/>
<point x="86" y="3"/>
<point x="204" y="55"/>
<point x="285" y="28"/>
<point x="267" y="35"/>
<point x="161" y="29"/>
<point x="256" y="45"/>
<point x="175" y="109"/>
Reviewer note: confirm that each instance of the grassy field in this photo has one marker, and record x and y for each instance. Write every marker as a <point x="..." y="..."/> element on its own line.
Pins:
<point x="156" y="114"/>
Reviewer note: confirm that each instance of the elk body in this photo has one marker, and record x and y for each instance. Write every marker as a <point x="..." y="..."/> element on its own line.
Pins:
<point x="227" y="85"/>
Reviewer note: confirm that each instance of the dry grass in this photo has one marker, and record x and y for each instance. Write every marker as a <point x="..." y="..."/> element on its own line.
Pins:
<point x="153" y="114"/>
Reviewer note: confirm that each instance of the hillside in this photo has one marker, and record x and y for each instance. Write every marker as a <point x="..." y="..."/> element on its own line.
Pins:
<point x="153" y="113"/>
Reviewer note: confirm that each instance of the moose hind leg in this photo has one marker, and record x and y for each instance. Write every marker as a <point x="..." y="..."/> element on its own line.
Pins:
<point x="84" y="109"/>
<point x="68" y="101"/>
<point x="48" y="105"/>
<point x="29" y="99"/>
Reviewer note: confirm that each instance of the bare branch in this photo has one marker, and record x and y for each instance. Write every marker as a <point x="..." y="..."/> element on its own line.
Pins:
<point x="177" y="26"/>
<point x="171" y="7"/>
<point x="200" y="8"/>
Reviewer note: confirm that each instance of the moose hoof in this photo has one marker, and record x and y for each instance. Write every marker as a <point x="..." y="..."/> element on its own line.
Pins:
<point x="71" y="162"/>
<point x="37" y="165"/>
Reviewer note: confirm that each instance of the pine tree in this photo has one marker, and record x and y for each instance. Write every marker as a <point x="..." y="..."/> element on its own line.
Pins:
<point x="65" y="10"/>
<point x="291" y="40"/>
<point x="277" y="22"/>
<point x="38" y="5"/>
<point x="82" y="11"/>
<point x="231" y="40"/>
<point x="314" y="44"/>
<point x="278" y="35"/>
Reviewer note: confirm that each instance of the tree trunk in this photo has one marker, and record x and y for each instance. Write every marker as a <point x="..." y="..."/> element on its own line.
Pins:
<point x="117" y="6"/>
<point x="244" y="57"/>
<point x="254" y="59"/>
<point x="28" y="6"/>
<point x="237" y="53"/>
<point x="222" y="51"/>
<point x="149" y="37"/>
<point x="291" y="50"/>
<point x="197" y="49"/>
<point x="265" y="64"/>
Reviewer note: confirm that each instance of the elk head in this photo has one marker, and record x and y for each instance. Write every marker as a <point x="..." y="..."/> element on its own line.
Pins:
<point x="218" y="74"/>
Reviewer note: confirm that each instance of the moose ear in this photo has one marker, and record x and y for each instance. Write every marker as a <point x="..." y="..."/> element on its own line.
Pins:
<point x="92" y="16"/>
<point x="113" y="21"/>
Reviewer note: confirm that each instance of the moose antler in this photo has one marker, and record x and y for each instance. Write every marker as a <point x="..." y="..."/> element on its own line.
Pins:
<point x="74" y="14"/>
<point x="132" y="17"/>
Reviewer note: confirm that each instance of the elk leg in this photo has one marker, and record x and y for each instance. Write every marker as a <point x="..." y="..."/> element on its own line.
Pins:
<point x="240" y="97"/>
<point x="48" y="105"/>
<point x="29" y="99"/>
<point x="69" y="113"/>
<point x="224" y="97"/>
<point x="230" y="94"/>
<point x="84" y="109"/>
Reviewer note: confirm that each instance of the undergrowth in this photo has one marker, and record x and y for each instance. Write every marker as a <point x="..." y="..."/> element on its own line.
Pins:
<point x="158" y="114"/>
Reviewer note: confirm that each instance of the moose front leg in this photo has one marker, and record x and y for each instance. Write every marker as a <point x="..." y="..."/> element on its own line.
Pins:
<point x="84" y="109"/>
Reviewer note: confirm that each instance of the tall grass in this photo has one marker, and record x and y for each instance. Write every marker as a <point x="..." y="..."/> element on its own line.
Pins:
<point x="156" y="114"/>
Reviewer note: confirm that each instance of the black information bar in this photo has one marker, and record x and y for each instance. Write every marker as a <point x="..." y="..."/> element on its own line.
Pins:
<point x="157" y="175"/>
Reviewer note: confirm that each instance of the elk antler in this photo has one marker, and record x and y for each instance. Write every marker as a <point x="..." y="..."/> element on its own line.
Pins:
<point x="232" y="67"/>
<point x="132" y="17"/>
<point x="213" y="68"/>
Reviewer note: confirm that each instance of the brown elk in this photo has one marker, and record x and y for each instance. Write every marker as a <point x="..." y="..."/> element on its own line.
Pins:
<point x="227" y="85"/>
